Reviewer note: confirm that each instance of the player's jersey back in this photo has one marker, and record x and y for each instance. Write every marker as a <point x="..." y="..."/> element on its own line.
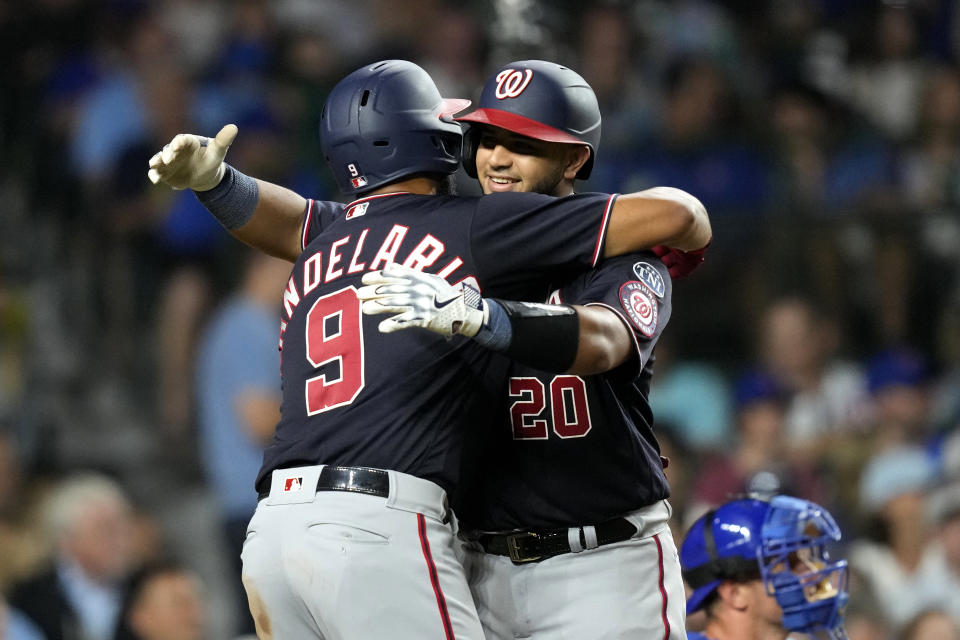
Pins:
<point x="353" y="396"/>
<point x="577" y="449"/>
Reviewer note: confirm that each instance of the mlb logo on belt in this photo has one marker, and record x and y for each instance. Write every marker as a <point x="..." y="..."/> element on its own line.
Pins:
<point x="293" y="484"/>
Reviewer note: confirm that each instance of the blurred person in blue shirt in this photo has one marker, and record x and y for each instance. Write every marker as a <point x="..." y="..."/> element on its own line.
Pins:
<point x="693" y="397"/>
<point x="238" y="398"/>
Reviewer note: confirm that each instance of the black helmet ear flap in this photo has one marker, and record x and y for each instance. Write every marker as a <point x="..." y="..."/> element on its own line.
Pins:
<point x="471" y="138"/>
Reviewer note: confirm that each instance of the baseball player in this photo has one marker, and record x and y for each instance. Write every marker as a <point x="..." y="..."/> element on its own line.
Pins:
<point x="352" y="536"/>
<point x="760" y="570"/>
<point x="565" y="508"/>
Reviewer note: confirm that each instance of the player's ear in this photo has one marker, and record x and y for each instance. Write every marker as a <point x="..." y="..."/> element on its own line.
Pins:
<point x="577" y="156"/>
<point x="735" y="595"/>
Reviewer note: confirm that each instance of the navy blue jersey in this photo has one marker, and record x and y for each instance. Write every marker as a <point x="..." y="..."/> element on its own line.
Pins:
<point x="354" y="396"/>
<point x="577" y="450"/>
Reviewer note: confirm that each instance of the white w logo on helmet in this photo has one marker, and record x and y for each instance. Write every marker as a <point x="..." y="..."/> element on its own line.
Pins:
<point x="511" y="82"/>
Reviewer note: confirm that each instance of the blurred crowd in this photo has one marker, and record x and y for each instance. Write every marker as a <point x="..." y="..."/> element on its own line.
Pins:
<point x="816" y="352"/>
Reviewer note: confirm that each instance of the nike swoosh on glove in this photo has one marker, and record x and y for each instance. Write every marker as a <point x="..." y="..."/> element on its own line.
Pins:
<point x="421" y="300"/>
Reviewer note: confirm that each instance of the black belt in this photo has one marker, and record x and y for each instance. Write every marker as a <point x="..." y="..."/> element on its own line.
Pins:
<point x="374" y="482"/>
<point x="532" y="546"/>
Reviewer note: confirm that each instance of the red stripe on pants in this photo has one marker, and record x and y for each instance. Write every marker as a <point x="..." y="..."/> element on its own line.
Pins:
<point x="663" y="591"/>
<point x="435" y="580"/>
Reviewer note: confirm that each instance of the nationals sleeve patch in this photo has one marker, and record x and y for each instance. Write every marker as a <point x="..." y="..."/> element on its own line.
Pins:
<point x="649" y="276"/>
<point x="640" y="304"/>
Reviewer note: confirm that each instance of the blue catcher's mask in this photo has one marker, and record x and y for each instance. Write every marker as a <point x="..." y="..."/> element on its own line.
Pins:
<point x="796" y="567"/>
<point x="784" y="541"/>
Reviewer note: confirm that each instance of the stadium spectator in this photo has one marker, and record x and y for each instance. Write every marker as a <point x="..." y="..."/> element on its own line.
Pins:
<point x="164" y="602"/>
<point x="80" y="594"/>
<point x="756" y="464"/>
<point x="692" y="396"/>
<point x="899" y="560"/>
<point x="798" y="344"/>
<point x="931" y="624"/>
<point x="238" y="398"/>
<point x="897" y="380"/>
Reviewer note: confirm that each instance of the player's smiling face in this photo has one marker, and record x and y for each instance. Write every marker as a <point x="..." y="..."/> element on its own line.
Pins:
<point x="508" y="161"/>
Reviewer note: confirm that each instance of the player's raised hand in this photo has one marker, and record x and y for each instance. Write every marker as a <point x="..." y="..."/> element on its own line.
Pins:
<point x="421" y="300"/>
<point x="680" y="264"/>
<point x="192" y="162"/>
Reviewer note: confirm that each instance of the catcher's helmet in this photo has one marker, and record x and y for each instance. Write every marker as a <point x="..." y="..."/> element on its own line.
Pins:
<point x="783" y="542"/>
<point x="540" y="100"/>
<point x="385" y="121"/>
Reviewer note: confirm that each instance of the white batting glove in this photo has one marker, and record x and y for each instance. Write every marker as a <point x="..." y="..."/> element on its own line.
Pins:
<point x="192" y="162"/>
<point x="421" y="300"/>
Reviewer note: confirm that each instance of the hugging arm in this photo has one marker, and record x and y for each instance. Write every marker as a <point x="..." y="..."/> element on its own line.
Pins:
<point x="261" y="214"/>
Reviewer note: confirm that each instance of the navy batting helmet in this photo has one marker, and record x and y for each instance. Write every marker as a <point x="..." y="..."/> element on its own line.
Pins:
<point x="541" y="100"/>
<point x="386" y="121"/>
<point x="782" y="542"/>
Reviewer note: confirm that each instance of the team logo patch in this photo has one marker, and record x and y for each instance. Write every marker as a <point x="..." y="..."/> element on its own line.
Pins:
<point x="512" y="82"/>
<point x="357" y="210"/>
<point x="650" y="276"/>
<point x="641" y="306"/>
<point x="293" y="484"/>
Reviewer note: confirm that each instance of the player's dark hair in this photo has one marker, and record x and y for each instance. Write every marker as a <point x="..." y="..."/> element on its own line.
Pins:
<point x="447" y="186"/>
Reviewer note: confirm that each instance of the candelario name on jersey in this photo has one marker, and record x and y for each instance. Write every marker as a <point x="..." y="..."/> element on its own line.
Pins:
<point x="357" y="252"/>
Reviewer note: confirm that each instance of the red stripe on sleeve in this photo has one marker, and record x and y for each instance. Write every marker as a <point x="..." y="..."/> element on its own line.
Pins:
<point x="306" y="225"/>
<point x="603" y="229"/>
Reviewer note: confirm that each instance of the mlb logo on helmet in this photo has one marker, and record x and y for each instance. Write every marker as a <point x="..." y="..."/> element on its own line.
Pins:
<point x="293" y="484"/>
<point x="358" y="182"/>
